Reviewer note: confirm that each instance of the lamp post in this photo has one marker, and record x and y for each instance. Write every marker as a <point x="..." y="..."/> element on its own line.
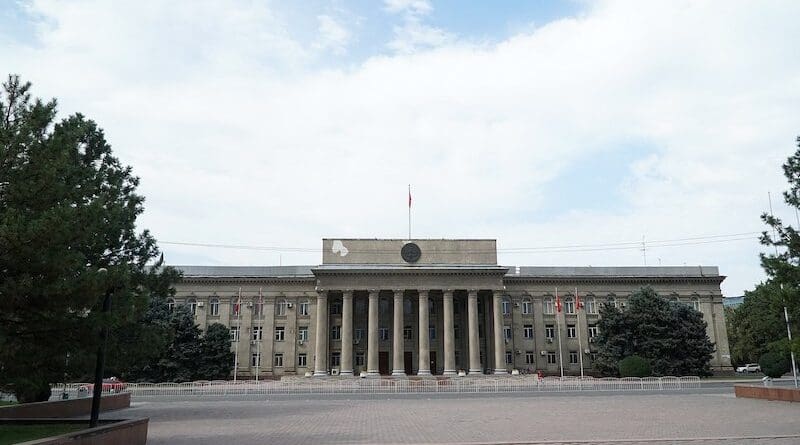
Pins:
<point x="97" y="391"/>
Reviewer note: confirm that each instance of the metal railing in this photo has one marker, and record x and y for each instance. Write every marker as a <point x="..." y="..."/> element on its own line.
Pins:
<point x="341" y="385"/>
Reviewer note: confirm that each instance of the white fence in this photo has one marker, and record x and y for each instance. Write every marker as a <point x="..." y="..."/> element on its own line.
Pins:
<point x="342" y="385"/>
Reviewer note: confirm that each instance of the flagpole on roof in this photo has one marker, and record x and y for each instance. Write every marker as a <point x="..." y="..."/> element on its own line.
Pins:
<point x="409" y="212"/>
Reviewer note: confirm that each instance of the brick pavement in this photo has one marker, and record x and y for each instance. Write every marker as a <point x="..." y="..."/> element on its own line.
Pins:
<point x="707" y="419"/>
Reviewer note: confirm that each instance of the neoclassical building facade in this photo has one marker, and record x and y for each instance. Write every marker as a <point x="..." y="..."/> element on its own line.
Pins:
<point x="427" y="307"/>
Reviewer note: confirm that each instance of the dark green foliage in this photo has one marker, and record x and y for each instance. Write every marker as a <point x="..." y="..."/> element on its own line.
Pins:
<point x="671" y="336"/>
<point x="774" y="364"/>
<point x="68" y="209"/>
<point x="634" y="366"/>
<point x="217" y="361"/>
<point x="758" y="326"/>
<point x="33" y="389"/>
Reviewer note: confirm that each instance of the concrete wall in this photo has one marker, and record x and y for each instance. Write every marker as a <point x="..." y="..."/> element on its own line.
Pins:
<point x="117" y="432"/>
<point x="387" y="251"/>
<point x="768" y="393"/>
<point x="64" y="408"/>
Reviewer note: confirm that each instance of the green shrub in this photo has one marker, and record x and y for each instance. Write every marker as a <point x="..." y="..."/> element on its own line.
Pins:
<point x="31" y="390"/>
<point x="774" y="364"/>
<point x="634" y="366"/>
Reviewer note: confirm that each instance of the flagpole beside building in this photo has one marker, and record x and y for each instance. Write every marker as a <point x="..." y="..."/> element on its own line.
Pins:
<point x="579" y="327"/>
<point x="238" y="335"/>
<point x="260" y="331"/>
<point x="558" y="332"/>
<point x="409" y="212"/>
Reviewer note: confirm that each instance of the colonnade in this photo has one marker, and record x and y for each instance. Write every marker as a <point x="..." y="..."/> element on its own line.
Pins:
<point x="398" y="368"/>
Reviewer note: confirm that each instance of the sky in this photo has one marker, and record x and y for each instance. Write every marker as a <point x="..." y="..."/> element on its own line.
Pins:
<point x="573" y="132"/>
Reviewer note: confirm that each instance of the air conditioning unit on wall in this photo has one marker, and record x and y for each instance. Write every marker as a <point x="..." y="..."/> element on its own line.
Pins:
<point x="543" y="352"/>
<point x="289" y="305"/>
<point x="200" y="304"/>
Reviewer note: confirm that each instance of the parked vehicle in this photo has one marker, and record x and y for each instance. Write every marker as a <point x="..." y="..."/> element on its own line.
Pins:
<point x="750" y="367"/>
<point x="111" y="384"/>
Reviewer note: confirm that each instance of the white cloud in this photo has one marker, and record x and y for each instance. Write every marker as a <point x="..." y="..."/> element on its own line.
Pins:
<point x="332" y="35"/>
<point x="413" y="35"/>
<point x="239" y="139"/>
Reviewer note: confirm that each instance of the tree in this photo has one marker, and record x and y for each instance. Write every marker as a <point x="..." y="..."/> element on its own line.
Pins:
<point x="68" y="236"/>
<point x="217" y="360"/>
<point x="774" y="364"/>
<point x="669" y="335"/>
<point x="634" y="366"/>
<point x="758" y="325"/>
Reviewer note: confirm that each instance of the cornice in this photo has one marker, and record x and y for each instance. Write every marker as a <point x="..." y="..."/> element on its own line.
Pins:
<point x="611" y="280"/>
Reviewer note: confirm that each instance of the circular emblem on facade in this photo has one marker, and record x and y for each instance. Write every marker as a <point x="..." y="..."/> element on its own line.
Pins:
<point x="410" y="253"/>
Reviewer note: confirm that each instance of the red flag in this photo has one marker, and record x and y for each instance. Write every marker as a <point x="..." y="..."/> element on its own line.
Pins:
<point x="578" y="304"/>
<point x="558" y="303"/>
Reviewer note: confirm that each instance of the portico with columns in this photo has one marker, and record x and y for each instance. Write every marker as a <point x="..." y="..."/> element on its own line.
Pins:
<point x="424" y="313"/>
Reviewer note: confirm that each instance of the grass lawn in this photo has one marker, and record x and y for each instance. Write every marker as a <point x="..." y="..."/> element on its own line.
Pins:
<point x="754" y="376"/>
<point x="20" y="433"/>
<point x="6" y="402"/>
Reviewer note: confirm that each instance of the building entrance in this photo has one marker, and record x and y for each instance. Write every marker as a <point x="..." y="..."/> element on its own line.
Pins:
<point x="383" y="363"/>
<point x="408" y="360"/>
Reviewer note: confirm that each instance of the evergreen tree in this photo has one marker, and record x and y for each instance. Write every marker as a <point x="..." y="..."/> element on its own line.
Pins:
<point x="68" y="237"/>
<point x="217" y="359"/>
<point x="669" y="335"/>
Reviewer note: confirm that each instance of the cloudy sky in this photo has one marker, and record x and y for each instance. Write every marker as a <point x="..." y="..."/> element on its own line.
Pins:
<point x="545" y="125"/>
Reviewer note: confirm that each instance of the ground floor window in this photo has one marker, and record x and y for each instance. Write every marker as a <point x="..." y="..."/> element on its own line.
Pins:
<point x="509" y="358"/>
<point x="302" y="361"/>
<point x="359" y="359"/>
<point x="529" y="357"/>
<point x="407" y="333"/>
<point x="278" y="362"/>
<point x="551" y="358"/>
<point x="255" y="360"/>
<point x="384" y="332"/>
<point x="336" y="359"/>
<point x="573" y="357"/>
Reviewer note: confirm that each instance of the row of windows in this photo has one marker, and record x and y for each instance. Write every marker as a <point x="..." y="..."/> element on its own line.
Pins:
<point x="549" y="306"/>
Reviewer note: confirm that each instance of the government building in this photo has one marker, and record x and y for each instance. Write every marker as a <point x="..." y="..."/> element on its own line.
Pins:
<point x="427" y="307"/>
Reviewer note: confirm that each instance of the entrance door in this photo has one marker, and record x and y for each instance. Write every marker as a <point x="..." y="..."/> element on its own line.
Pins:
<point x="433" y="362"/>
<point x="383" y="363"/>
<point x="408" y="360"/>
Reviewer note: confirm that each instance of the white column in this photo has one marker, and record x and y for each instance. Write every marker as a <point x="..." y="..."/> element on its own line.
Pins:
<point x="474" y="346"/>
<point x="499" y="340"/>
<point x="424" y="335"/>
<point x="398" y="368"/>
<point x="321" y="346"/>
<point x="347" y="334"/>
<point x="372" y="335"/>
<point x="449" y="341"/>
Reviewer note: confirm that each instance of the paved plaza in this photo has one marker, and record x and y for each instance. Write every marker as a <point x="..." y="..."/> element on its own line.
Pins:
<point x="706" y="417"/>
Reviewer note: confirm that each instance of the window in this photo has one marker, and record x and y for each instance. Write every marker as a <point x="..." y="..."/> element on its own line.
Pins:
<point x="432" y="332"/>
<point x="696" y="303"/>
<point x="170" y="304"/>
<point x="302" y="361"/>
<point x="255" y="360"/>
<point x="359" y="334"/>
<point x="593" y="356"/>
<point x="527" y="331"/>
<point x="256" y="333"/>
<point x="456" y="332"/>
<point x="258" y="307"/>
<point x="592" y="330"/>
<point x="611" y="301"/>
<point x="280" y="332"/>
<point x="407" y="306"/>
<point x="506" y="306"/>
<point x="214" y="303"/>
<point x="549" y="331"/>
<point x="336" y="333"/>
<point x="507" y="332"/>
<point x="336" y="308"/>
<point x="236" y="306"/>
<point x="548" y="306"/>
<point x="304" y="308"/>
<point x="569" y="305"/>
<point x="278" y="362"/>
<point x="570" y="331"/>
<point x="551" y="358"/>
<point x="529" y="357"/>
<point x="591" y="306"/>
<point x="407" y="333"/>
<point x="359" y="359"/>
<point x="573" y="357"/>
<point x="336" y="359"/>
<point x="192" y="303"/>
<point x="384" y="334"/>
<point x="509" y="358"/>
<point x="280" y="307"/>
<point x="302" y="333"/>
<point x="234" y="333"/>
<point x="527" y="307"/>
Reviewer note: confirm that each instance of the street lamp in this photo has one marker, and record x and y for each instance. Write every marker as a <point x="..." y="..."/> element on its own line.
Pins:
<point x="101" y="355"/>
